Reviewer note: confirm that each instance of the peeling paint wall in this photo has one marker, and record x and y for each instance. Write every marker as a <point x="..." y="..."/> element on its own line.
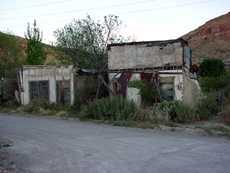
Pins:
<point x="46" y="73"/>
<point x="143" y="56"/>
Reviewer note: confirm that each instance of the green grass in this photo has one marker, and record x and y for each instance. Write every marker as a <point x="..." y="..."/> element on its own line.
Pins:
<point x="13" y="52"/>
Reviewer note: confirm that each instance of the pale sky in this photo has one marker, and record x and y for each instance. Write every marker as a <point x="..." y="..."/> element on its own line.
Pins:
<point x="142" y="19"/>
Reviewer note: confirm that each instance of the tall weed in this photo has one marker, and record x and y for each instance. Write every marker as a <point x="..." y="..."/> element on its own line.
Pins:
<point x="114" y="108"/>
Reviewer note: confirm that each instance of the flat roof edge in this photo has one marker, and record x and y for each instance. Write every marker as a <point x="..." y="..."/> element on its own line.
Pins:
<point x="159" y="42"/>
<point x="45" y="66"/>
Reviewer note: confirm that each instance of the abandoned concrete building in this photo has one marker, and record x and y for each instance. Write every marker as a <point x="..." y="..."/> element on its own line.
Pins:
<point x="52" y="83"/>
<point x="163" y="64"/>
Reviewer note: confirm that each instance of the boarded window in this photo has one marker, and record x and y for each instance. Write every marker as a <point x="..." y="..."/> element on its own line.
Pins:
<point x="39" y="90"/>
<point x="167" y="88"/>
<point x="63" y="92"/>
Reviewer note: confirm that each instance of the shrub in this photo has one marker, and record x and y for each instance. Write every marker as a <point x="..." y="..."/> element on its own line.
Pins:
<point x="207" y="107"/>
<point x="114" y="108"/>
<point x="183" y="114"/>
<point x="217" y="90"/>
<point x="209" y="84"/>
<point x="42" y="106"/>
<point x="147" y="92"/>
<point x="174" y="111"/>
<point x="145" y="114"/>
<point x="212" y="68"/>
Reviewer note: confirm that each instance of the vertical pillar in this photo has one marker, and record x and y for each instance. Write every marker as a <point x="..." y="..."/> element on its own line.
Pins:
<point x="52" y="90"/>
<point x="72" y="94"/>
<point x="26" y="92"/>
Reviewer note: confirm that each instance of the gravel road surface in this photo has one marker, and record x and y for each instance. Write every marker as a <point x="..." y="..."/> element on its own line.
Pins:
<point x="48" y="145"/>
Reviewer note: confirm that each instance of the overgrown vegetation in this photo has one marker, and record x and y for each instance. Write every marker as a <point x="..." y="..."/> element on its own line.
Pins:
<point x="114" y="108"/>
<point x="212" y="68"/>
<point x="215" y="84"/>
<point x="147" y="92"/>
<point x="174" y="111"/>
<point x="120" y="109"/>
<point x="43" y="107"/>
<point x="208" y="106"/>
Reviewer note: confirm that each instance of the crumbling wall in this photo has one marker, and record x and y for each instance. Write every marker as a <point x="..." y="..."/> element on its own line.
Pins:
<point x="191" y="91"/>
<point x="144" y="56"/>
<point x="177" y="82"/>
<point x="133" y="94"/>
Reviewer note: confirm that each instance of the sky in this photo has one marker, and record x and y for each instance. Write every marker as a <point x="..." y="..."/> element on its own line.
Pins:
<point x="143" y="20"/>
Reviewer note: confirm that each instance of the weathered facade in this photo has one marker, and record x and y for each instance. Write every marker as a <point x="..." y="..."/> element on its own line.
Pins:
<point x="150" y="54"/>
<point x="162" y="64"/>
<point x="52" y="83"/>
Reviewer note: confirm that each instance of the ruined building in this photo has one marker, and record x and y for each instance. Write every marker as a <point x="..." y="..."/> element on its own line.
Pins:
<point x="165" y="65"/>
<point x="52" y="83"/>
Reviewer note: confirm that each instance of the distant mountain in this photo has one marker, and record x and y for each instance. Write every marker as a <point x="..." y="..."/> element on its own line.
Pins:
<point x="211" y="40"/>
<point x="13" y="48"/>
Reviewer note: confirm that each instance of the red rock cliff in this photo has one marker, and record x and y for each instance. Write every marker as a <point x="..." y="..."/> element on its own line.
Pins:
<point x="211" y="40"/>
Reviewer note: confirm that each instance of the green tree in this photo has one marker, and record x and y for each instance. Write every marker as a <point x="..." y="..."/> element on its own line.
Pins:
<point x="35" y="52"/>
<point x="86" y="40"/>
<point x="212" y="68"/>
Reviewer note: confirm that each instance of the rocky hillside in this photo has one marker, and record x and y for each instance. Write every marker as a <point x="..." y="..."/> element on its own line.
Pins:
<point x="13" y="50"/>
<point x="211" y="40"/>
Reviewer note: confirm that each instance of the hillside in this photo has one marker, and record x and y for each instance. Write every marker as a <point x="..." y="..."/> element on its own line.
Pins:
<point x="211" y="40"/>
<point x="13" y="50"/>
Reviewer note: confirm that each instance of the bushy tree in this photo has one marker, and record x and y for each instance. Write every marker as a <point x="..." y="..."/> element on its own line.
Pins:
<point x="35" y="52"/>
<point x="212" y="68"/>
<point x="87" y="39"/>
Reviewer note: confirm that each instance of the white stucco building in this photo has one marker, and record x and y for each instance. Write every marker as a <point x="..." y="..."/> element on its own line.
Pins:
<point x="53" y="83"/>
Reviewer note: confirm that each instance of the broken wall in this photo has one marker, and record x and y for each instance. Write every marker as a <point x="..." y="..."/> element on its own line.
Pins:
<point x="191" y="91"/>
<point x="133" y="94"/>
<point x="144" y="56"/>
<point x="178" y="83"/>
